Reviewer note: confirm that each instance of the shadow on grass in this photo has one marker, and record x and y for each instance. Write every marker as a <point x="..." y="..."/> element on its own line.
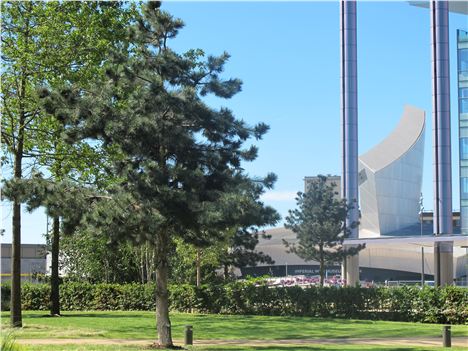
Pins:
<point x="311" y="348"/>
<point x="85" y="315"/>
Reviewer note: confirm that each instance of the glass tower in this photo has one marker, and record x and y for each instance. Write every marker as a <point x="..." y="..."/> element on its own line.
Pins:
<point x="462" y="46"/>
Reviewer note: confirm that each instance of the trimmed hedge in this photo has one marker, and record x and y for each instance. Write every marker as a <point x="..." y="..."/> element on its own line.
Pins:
<point x="430" y="305"/>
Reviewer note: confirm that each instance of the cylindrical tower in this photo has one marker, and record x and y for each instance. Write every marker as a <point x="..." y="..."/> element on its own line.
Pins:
<point x="349" y="128"/>
<point x="349" y="111"/>
<point x="441" y="118"/>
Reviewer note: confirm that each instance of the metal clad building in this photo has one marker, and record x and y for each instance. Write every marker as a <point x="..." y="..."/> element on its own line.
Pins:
<point x="33" y="261"/>
<point x="462" y="46"/>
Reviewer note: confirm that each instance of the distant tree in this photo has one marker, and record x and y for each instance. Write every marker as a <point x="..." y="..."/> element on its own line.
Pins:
<point x="241" y="251"/>
<point x="235" y="246"/>
<point x="194" y="265"/>
<point x="319" y="224"/>
<point x="241" y="240"/>
<point x="180" y="159"/>
<point x="88" y="255"/>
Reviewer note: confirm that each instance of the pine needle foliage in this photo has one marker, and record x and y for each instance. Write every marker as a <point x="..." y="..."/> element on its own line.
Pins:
<point x="64" y="199"/>
<point x="319" y="223"/>
<point x="180" y="166"/>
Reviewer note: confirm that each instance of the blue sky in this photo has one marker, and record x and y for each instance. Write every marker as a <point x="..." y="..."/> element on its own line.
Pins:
<point x="287" y="54"/>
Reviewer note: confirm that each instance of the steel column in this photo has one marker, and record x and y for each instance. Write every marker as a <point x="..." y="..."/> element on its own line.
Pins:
<point x="349" y="111"/>
<point x="442" y="162"/>
<point x="349" y="128"/>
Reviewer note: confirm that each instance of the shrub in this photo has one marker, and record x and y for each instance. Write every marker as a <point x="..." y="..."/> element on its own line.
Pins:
<point x="5" y="292"/>
<point x="78" y="296"/>
<point x="429" y="305"/>
<point x="137" y="296"/>
<point x="35" y="296"/>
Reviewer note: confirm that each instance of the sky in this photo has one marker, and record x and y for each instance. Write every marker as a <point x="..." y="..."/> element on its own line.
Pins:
<point x="288" y="56"/>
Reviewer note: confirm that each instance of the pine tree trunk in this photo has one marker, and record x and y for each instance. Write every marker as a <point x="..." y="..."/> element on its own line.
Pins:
<point x="15" y="302"/>
<point x="147" y="265"/>
<point x="163" y="323"/>
<point x="198" y="267"/>
<point x="54" y="277"/>
<point x="322" y="264"/>
<point x="142" y="265"/>
<point x="106" y="270"/>
<point x="153" y="264"/>
<point x="322" y="274"/>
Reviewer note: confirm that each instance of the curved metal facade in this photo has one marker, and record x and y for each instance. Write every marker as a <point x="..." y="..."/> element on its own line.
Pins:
<point x="390" y="177"/>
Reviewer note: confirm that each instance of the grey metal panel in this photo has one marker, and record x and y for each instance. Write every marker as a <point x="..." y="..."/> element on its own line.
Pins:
<point x="386" y="253"/>
<point x="28" y="265"/>
<point x="402" y="138"/>
<point x="457" y="6"/>
<point x="390" y="196"/>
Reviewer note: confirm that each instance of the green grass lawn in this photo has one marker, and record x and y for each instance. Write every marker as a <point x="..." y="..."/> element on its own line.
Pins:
<point x="237" y="348"/>
<point x="141" y="325"/>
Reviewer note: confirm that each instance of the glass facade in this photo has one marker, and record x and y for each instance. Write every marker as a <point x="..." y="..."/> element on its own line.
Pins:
<point x="462" y="46"/>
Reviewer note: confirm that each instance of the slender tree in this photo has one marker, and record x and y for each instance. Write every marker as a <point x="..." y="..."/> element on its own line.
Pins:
<point x="180" y="158"/>
<point x="18" y="112"/>
<point x="46" y="43"/>
<point x="319" y="223"/>
<point x="193" y="265"/>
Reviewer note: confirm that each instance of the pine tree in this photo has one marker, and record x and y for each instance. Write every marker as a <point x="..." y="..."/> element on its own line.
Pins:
<point x="180" y="159"/>
<point x="319" y="224"/>
<point x="236" y="244"/>
<point x="241" y="251"/>
<point x="241" y="240"/>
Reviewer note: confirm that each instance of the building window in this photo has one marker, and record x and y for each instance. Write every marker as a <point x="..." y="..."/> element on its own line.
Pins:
<point x="463" y="105"/>
<point x="463" y="93"/>
<point x="464" y="222"/>
<point x="464" y="188"/>
<point x="464" y="149"/>
<point x="463" y="60"/>
<point x="463" y="133"/>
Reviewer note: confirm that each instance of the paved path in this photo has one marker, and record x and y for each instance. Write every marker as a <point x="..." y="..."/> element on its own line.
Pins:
<point x="456" y="341"/>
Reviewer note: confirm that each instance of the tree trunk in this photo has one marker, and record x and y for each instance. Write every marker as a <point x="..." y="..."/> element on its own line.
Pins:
<point x="15" y="302"/>
<point x="147" y="265"/>
<point x="163" y="323"/>
<point x="106" y="270"/>
<point x="153" y="265"/>
<point x="226" y="272"/>
<point x="54" y="277"/>
<point x="322" y="264"/>
<point x="198" y="267"/>
<point x="322" y="273"/>
<point x="139" y="251"/>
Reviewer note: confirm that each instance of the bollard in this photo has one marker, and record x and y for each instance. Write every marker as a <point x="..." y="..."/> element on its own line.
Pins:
<point x="188" y="337"/>
<point x="446" y="336"/>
